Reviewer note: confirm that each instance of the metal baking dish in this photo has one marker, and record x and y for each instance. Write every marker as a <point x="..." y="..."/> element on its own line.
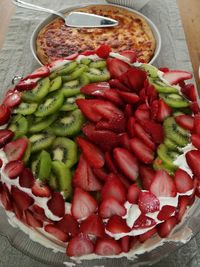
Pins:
<point x="68" y="9"/>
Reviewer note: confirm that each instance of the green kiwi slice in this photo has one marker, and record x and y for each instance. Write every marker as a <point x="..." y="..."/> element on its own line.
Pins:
<point x="158" y="164"/>
<point x="68" y="124"/>
<point x="39" y="124"/>
<point x="67" y="68"/>
<point x="64" y="178"/>
<point x="18" y="125"/>
<point x="171" y="145"/>
<point x="151" y="70"/>
<point x="97" y="75"/>
<point x="53" y="183"/>
<point x="44" y="166"/>
<point x="161" y="87"/>
<point x="55" y="84"/>
<point x="37" y="93"/>
<point x="41" y="141"/>
<point x="175" y="100"/>
<point x="26" y="108"/>
<point x="167" y="156"/>
<point x="70" y="103"/>
<point x="71" y="88"/>
<point x="27" y="153"/>
<point x="76" y="73"/>
<point x="84" y="79"/>
<point x="52" y="103"/>
<point x="85" y="61"/>
<point x="34" y="168"/>
<point x="65" y="150"/>
<point x="100" y="64"/>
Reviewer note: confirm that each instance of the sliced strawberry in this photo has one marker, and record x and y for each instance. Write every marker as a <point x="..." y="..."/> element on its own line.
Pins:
<point x="164" y="110"/>
<point x="189" y="91"/>
<point x="155" y="130"/>
<point x="129" y="97"/>
<point x="14" y="168"/>
<point x="131" y="126"/>
<point x="142" y="113"/>
<point x="103" y="51"/>
<point x="195" y="138"/>
<point x="68" y="224"/>
<point x="166" y="212"/>
<point x="183" y="202"/>
<point x="164" y="69"/>
<point x="110" y="206"/>
<point x="107" y="246"/>
<point x="88" y="53"/>
<point x="165" y="228"/>
<point x="25" y="85"/>
<point x="19" y="213"/>
<point x="83" y="204"/>
<point x="163" y="185"/>
<point x="12" y="99"/>
<point x="124" y="141"/>
<point x="117" y="67"/>
<point x="133" y="194"/>
<point x="126" y="162"/>
<point x="130" y="54"/>
<point x="56" y="204"/>
<point x="141" y="151"/>
<point x="151" y="93"/>
<point x="147" y="235"/>
<point x="144" y="221"/>
<point x="101" y="173"/>
<point x="185" y="121"/>
<point x="194" y="106"/>
<point x="110" y="163"/>
<point x="128" y="111"/>
<point x="15" y="150"/>
<point x="117" y="225"/>
<point x="39" y="213"/>
<point x="1" y="163"/>
<point x="92" y="153"/>
<point x="87" y="108"/>
<point x="192" y="157"/>
<point x="147" y="174"/>
<point x="113" y="96"/>
<point x="41" y="190"/>
<point x="196" y="126"/>
<point x="39" y="73"/>
<point x="80" y="245"/>
<point x="143" y="134"/>
<point x="176" y="76"/>
<point x="115" y="83"/>
<point x="5" y="137"/>
<point x="114" y="188"/>
<point x="5" y="197"/>
<point x="183" y="181"/>
<point x="154" y="109"/>
<point x="115" y="124"/>
<point x="93" y="225"/>
<point x="84" y="177"/>
<point x="95" y="89"/>
<point x="22" y="199"/>
<point x="26" y="178"/>
<point x="148" y="202"/>
<point x="125" y="243"/>
<point x="31" y="220"/>
<point x="57" y="233"/>
<point x="4" y="114"/>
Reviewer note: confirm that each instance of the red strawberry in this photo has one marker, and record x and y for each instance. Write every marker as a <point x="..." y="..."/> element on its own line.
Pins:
<point x="142" y="113"/>
<point x="125" y="243"/>
<point x="5" y="137"/>
<point x="133" y="194"/>
<point x="129" y="97"/>
<point x="117" y="225"/>
<point x="56" y="204"/>
<point x="196" y="126"/>
<point x="31" y="220"/>
<point x="194" y="106"/>
<point x="154" y="109"/>
<point x="189" y="91"/>
<point x="163" y="185"/>
<point x="155" y="130"/>
<point x="147" y="235"/>
<point x="164" y="110"/>
<point x="164" y="69"/>
<point x="95" y="89"/>
<point x="115" y="83"/>
<point x="128" y="111"/>
<point x="25" y="85"/>
<point x="83" y="204"/>
<point x="15" y="150"/>
<point x="117" y="67"/>
<point x="103" y="51"/>
<point x="126" y="162"/>
<point x="1" y="163"/>
<point x="142" y="152"/>
<point x="192" y="157"/>
<point x="39" y="213"/>
<point x="142" y="133"/>
<point x="19" y="213"/>
<point x="165" y="228"/>
<point x="87" y="53"/>
<point x="151" y="93"/>
<point x="195" y="138"/>
<point x="5" y="197"/>
<point x="114" y="188"/>
<point x="39" y="73"/>
<point x="22" y="199"/>
<point x="130" y="55"/>
<point x="144" y="221"/>
<point x="131" y="126"/>
<point x="113" y="96"/>
<point x="12" y="99"/>
<point x="107" y="246"/>
<point x="110" y="164"/>
<point x="148" y="202"/>
<point x="115" y="124"/>
<point x="183" y="181"/>
<point x="93" y="225"/>
<point x="57" y="233"/>
<point x="14" y="168"/>
<point x="176" y="76"/>
<point x="87" y="108"/>
<point x="185" y="121"/>
<point x="124" y="141"/>
<point x="92" y="153"/>
<point x="101" y="173"/>
<point x="4" y="114"/>
<point x="26" y="178"/>
<point x="80" y="245"/>
<point x="68" y="224"/>
<point x="166" y="212"/>
<point x="41" y="190"/>
<point x="110" y="206"/>
<point x="147" y="174"/>
<point x="183" y="202"/>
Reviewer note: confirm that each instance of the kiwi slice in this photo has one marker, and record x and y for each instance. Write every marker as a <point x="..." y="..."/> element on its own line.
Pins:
<point x="161" y="87"/>
<point x="84" y="79"/>
<point x="151" y="70"/>
<point x="171" y="145"/>
<point x="27" y="153"/>
<point x="68" y="124"/>
<point x="70" y="103"/>
<point x="75" y="74"/>
<point x="26" y="108"/>
<point x="175" y="133"/>
<point x="175" y="100"/>
<point x="64" y="178"/>
<point x="65" y="150"/>
<point x="34" y="167"/>
<point x="100" y="64"/>
<point x="53" y="182"/>
<point x="67" y="68"/>
<point x="71" y="88"/>
<point x="158" y="164"/>
<point x="51" y="104"/>
<point x="41" y="141"/>
<point x="39" y="124"/>
<point x="37" y="93"/>
<point x="55" y="84"/>
<point x="167" y="156"/>
<point x="97" y="75"/>
<point x="18" y="125"/>
<point x="44" y="166"/>
<point x="85" y="61"/>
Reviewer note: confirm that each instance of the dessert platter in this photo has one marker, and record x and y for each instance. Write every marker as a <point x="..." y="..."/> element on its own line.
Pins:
<point x="98" y="158"/>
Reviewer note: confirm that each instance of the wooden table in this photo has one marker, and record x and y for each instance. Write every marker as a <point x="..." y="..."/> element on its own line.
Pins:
<point x="189" y="11"/>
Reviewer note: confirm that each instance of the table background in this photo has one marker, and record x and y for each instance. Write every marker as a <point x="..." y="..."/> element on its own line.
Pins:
<point x="16" y="58"/>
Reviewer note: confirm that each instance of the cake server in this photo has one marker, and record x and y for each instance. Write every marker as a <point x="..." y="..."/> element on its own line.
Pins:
<point x="74" y="19"/>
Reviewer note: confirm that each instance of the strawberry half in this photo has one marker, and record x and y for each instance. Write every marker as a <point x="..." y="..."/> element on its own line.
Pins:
<point x="165" y="228"/>
<point x="133" y="194"/>
<point x="163" y="185"/>
<point x="93" y="225"/>
<point x="56" y="204"/>
<point x="130" y="55"/>
<point x="92" y="153"/>
<point x="110" y="206"/>
<point x="110" y="163"/>
<point x="185" y="121"/>
<point x="31" y="220"/>
<point x="148" y="202"/>
<point x="141" y="151"/>
<point x="68" y="224"/>
<point x="26" y="178"/>
<point x="189" y="91"/>
<point x="107" y="246"/>
<point x="147" y="174"/>
<point x="39" y="73"/>
<point x="142" y="113"/>
<point x="183" y="202"/>
<point x="192" y="157"/>
<point x="83" y="204"/>
<point x="116" y="225"/>
<point x="14" y="168"/>
<point x="125" y="243"/>
<point x="176" y="76"/>
<point x="22" y="199"/>
<point x="115" y="83"/>
<point x="5" y="197"/>
<point x="116" y="67"/>
<point x="95" y="89"/>
<point x="183" y="181"/>
<point x="144" y="221"/>
<point x="12" y="99"/>
<point x="143" y="134"/>
<point x="80" y="245"/>
<point x="129" y="97"/>
<point x="164" y="110"/>
<point x="41" y="190"/>
<point x="103" y="51"/>
<point x="57" y="233"/>
<point x="195" y="138"/>
<point x="15" y="150"/>
<point x="5" y="137"/>
<point x="166" y="212"/>
<point x="4" y="114"/>
<point x="196" y="126"/>
<point x="25" y="85"/>
<point x="147" y="235"/>
<point x="155" y="130"/>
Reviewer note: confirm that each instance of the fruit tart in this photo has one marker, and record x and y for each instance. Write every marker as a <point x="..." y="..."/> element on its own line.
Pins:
<point x="99" y="152"/>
